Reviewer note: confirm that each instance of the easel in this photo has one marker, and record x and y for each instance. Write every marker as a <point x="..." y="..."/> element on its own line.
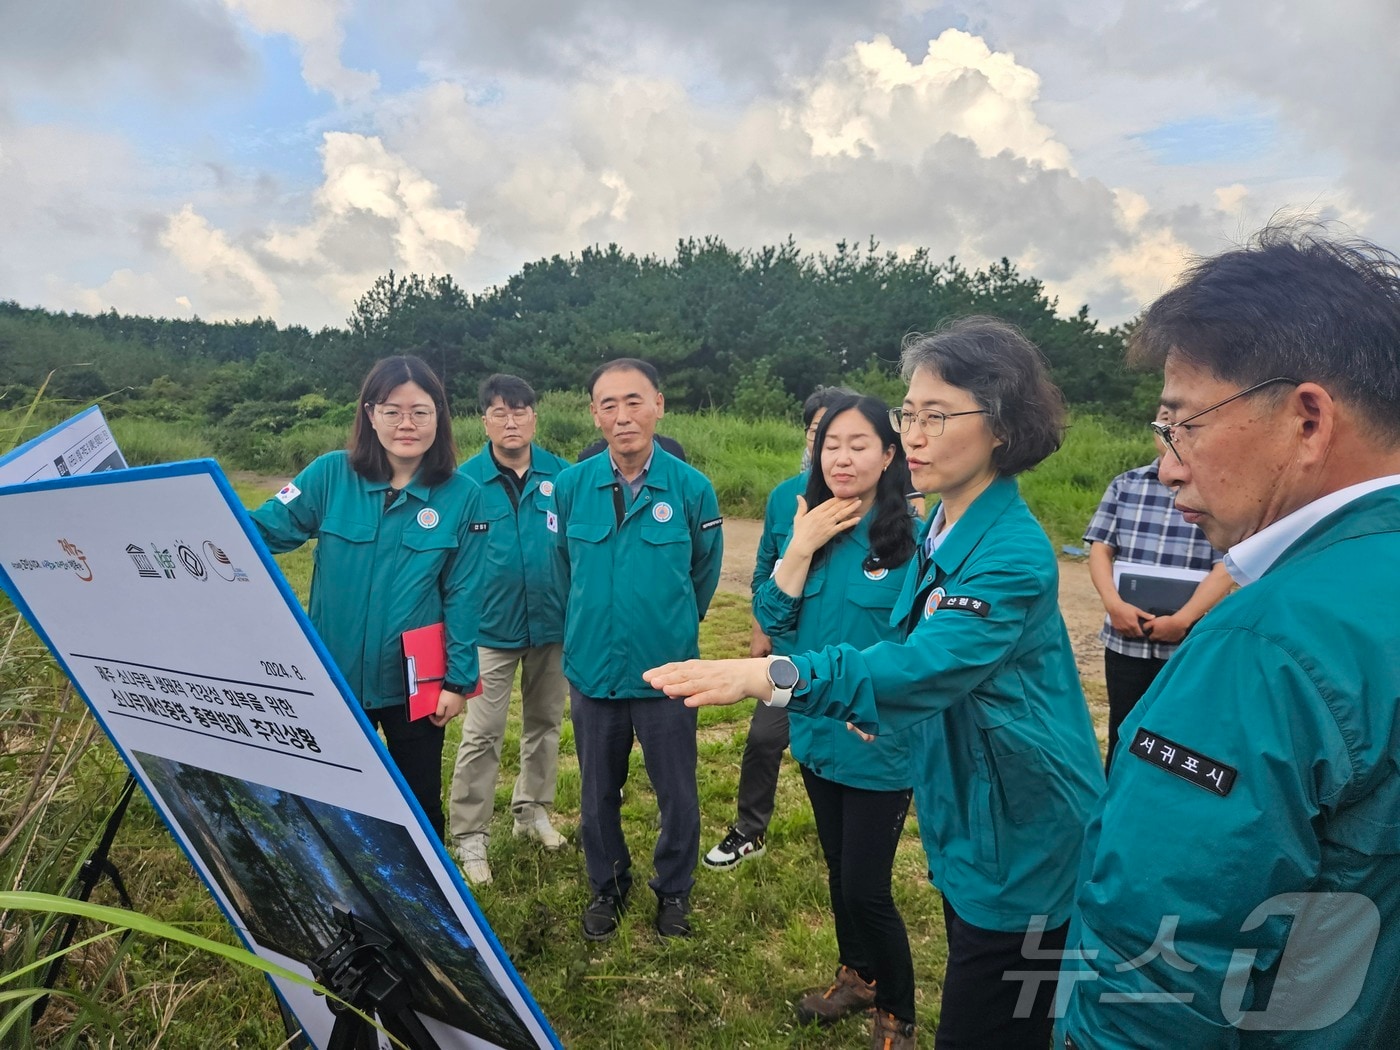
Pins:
<point x="357" y="968"/>
<point x="94" y="867"/>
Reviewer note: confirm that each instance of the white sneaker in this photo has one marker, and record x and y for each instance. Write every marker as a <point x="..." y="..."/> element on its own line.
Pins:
<point x="541" y="830"/>
<point x="470" y="854"/>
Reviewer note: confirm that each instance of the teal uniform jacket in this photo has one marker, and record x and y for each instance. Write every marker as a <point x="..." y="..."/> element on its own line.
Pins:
<point x="1006" y="764"/>
<point x="841" y="601"/>
<point x="777" y="530"/>
<point x="522" y="599"/>
<point x="636" y="589"/>
<point x="381" y="572"/>
<point x="1288" y="691"/>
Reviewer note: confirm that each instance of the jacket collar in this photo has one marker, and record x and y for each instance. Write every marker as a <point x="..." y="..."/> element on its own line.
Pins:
<point x="973" y="525"/>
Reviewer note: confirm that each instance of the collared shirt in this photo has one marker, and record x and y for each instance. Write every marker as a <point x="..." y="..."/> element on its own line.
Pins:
<point x="1251" y="557"/>
<point x="1138" y="519"/>
<point x="635" y="485"/>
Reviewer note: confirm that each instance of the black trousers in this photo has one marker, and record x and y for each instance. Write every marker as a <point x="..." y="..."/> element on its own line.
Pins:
<point x="859" y="831"/>
<point x="758" y="771"/>
<point x="604" y="731"/>
<point x="984" y="1008"/>
<point x="1127" y="678"/>
<point x="416" y="748"/>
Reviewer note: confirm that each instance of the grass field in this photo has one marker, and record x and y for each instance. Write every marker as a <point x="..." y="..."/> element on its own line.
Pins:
<point x="763" y="932"/>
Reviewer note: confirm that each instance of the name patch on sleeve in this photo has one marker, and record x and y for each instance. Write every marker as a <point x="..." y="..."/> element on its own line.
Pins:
<point x="1201" y="770"/>
<point x="939" y="601"/>
<point x="478" y="526"/>
<point x="713" y="523"/>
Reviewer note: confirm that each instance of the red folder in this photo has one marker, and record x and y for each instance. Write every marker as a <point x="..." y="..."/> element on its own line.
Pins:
<point x="424" y="668"/>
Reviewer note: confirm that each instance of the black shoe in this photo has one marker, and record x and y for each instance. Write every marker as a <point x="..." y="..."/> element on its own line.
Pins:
<point x="601" y="917"/>
<point x="671" y="918"/>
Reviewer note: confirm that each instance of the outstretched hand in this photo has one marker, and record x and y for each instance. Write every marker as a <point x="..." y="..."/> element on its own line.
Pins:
<point x="704" y="683"/>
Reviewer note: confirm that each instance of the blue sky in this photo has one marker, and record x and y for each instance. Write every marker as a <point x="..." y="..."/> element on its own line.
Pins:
<point x="237" y="158"/>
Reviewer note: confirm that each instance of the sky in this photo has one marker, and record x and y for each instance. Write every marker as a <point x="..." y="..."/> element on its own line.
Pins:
<point x="233" y="159"/>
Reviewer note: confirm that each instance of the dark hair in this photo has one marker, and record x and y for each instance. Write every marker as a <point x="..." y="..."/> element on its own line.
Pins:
<point x="513" y="391"/>
<point x="891" y="532"/>
<point x="624" y="364"/>
<point x="1006" y="376"/>
<point x="1293" y="302"/>
<point x="821" y="398"/>
<point x="367" y="455"/>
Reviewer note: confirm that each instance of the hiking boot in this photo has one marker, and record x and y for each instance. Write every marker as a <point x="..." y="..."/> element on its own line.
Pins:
<point x="734" y="848"/>
<point x="671" y="920"/>
<point x="848" y="995"/>
<point x="469" y="852"/>
<point x="601" y="917"/>
<point x="888" y="1032"/>
<point x="538" y="827"/>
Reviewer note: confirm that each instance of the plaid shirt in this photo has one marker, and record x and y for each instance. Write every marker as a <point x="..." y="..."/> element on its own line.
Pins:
<point x="1137" y="519"/>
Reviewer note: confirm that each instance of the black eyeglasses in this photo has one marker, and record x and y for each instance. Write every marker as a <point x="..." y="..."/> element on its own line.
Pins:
<point x="930" y="422"/>
<point x="1168" y="431"/>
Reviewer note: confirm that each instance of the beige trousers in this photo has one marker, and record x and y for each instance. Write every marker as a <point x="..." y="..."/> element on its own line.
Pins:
<point x="542" y="694"/>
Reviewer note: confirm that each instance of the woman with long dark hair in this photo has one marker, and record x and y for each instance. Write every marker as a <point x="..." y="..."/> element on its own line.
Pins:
<point x="394" y="523"/>
<point x="837" y="581"/>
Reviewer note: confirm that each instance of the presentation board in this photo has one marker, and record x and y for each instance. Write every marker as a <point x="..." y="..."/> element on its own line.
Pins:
<point x="81" y="445"/>
<point x="161" y="604"/>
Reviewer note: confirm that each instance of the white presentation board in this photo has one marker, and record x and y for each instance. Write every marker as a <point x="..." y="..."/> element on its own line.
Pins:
<point x="81" y="445"/>
<point x="151" y="588"/>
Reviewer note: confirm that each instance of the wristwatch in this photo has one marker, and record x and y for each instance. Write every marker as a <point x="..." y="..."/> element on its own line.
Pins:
<point x="453" y="687"/>
<point x="783" y="677"/>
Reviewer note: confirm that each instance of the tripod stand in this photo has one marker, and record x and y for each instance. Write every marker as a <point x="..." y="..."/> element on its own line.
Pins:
<point x="94" y="867"/>
<point x="357" y="968"/>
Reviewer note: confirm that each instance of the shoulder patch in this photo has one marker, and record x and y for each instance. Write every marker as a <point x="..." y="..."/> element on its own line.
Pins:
<point x="288" y="493"/>
<point x="479" y="526"/>
<point x="1201" y="770"/>
<point x="713" y="523"/>
<point x="941" y="602"/>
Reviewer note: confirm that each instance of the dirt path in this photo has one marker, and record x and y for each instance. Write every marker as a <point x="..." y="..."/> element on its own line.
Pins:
<point x="1078" y="601"/>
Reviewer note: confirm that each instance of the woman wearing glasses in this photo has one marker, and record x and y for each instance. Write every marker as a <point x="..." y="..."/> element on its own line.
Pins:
<point x="394" y="523"/>
<point x="1006" y="764"/>
<point x="837" y="580"/>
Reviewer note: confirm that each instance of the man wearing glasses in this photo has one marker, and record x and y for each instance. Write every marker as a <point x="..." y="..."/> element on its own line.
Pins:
<point x="522" y="625"/>
<point x="1241" y="876"/>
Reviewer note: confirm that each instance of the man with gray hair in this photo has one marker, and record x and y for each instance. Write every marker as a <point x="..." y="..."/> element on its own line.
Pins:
<point x="1241" y="876"/>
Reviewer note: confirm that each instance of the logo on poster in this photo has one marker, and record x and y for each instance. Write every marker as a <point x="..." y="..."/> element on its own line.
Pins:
<point x="144" y="567"/>
<point x="226" y="570"/>
<point x="191" y="563"/>
<point x="79" y="563"/>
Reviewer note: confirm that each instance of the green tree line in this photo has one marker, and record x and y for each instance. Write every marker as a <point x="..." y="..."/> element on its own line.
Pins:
<point x="751" y="330"/>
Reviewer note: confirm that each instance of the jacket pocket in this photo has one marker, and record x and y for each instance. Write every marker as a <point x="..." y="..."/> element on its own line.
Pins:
<point x="426" y="540"/>
<point x="586" y="533"/>
<point x="349" y="530"/>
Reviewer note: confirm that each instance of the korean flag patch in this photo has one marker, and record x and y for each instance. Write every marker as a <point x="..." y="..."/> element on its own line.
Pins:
<point x="551" y="521"/>
<point x="288" y="493"/>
